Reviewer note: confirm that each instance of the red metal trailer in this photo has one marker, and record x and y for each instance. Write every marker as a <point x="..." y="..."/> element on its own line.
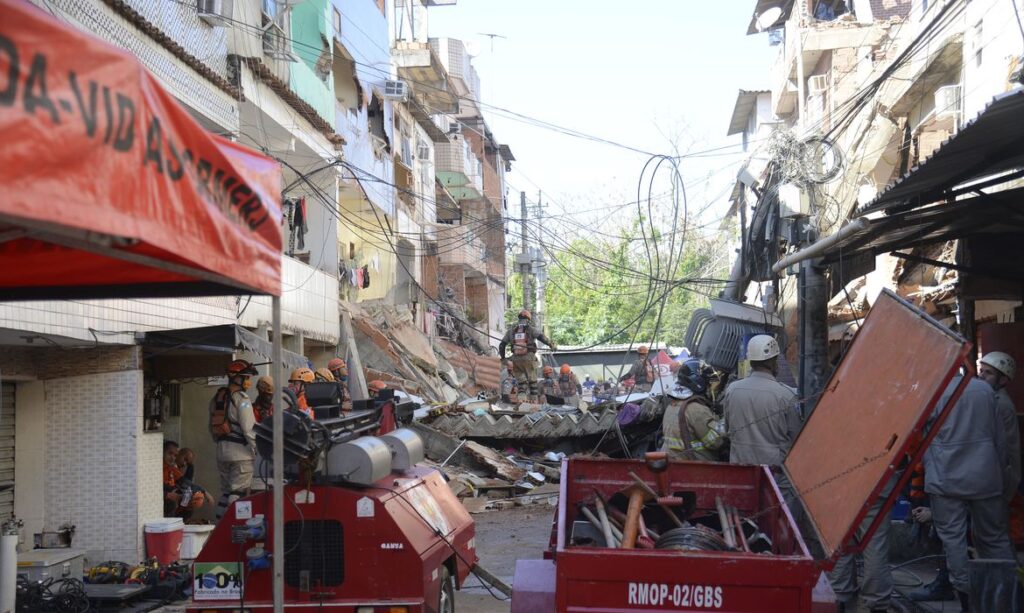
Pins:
<point x="869" y="421"/>
<point x="401" y="545"/>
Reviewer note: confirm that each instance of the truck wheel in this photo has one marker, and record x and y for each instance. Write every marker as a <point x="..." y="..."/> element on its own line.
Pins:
<point x="446" y="598"/>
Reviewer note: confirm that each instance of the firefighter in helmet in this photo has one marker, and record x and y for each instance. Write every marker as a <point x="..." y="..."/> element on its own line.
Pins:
<point x="339" y="369"/>
<point x="691" y="429"/>
<point x="297" y="384"/>
<point x="231" y="425"/>
<point x="565" y="388"/>
<point x="642" y="373"/>
<point x="523" y="338"/>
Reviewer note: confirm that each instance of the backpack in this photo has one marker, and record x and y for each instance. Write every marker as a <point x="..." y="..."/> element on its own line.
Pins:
<point x="520" y="341"/>
<point x="220" y="420"/>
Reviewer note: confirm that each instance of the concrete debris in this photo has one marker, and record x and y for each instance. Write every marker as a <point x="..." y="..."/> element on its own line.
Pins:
<point x="495" y="463"/>
<point x="547" y="423"/>
<point x="482" y="372"/>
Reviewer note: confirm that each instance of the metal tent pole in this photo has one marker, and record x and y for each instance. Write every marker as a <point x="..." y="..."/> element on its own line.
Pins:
<point x="278" y="459"/>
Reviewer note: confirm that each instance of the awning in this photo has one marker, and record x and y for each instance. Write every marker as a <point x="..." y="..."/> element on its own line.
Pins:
<point x="110" y="187"/>
<point x="219" y="339"/>
<point x="990" y="144"/>
<point x="746" y="103"/>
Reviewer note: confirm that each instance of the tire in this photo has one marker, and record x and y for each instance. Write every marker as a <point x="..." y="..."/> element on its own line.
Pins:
<point x="446" y="595"/>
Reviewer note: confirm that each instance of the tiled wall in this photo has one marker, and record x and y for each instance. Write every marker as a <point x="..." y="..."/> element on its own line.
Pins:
<point x="102" y="474"/>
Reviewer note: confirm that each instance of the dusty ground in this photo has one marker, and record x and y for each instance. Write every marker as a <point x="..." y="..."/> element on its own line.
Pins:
<point x="502" y="537"/>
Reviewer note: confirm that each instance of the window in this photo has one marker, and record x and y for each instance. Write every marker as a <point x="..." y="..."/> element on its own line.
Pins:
<point x="336" y="21"/>
<point x="270" y="9"/>
<point x="978" y="42"/>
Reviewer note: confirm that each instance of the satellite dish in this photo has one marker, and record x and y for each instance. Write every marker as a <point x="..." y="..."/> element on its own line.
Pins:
<point x="472" y="48"/>
<point x="768" y="18"/>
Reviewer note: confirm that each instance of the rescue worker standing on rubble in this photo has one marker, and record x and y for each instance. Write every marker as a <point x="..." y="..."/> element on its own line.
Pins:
<point x="523" y="338"/>
<point x="964" y="475"/>
<point x="565" y="388"/>
<point x="231" y="425"/>
<point x="547" y="382"/>
<point x="691" y="430"/>
<point x="642" y="374"/>
<point x="509" y="390"/>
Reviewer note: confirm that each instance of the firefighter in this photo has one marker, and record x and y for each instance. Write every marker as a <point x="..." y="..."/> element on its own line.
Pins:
<point x="998" y="369"/>
<point x="547" y="382"/>
<point x="297" y="384"/>
<point x="231" y="425"/>
<point x="523" y="338"/>
<point x="964" y="478"/>
<point x="692" y="430"/>
<point x="565" y="388"/>
<point x="323" y="375"/>
<point x="263" y="406"/>
<point x="642" y="373"/>
<point x="374" y="388"/>
<point x="339" y="369"/>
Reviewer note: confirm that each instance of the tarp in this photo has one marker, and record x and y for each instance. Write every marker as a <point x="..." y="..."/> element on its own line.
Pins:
<point x="227" y="338"/>
<point x="109" y="187"/>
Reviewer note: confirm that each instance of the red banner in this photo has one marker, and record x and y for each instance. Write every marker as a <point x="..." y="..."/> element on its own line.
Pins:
<point x="109" y="187"/>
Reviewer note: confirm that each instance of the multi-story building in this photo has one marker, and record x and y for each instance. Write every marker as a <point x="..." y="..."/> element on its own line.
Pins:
<point x="887" y="85"/>
<point x="357" y="106"/>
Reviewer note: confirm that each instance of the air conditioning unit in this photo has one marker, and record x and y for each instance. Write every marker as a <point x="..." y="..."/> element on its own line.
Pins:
<point x="275" y="44"/>
<point x="396" y="90"/>
<point x="947" y="102"/>
<point x="817" y="84"/>
<point x="455" y="127"/>
<point x="214" y="12"/>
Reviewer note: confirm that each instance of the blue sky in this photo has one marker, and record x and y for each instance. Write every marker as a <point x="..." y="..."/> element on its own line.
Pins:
<point x="641" y="73"/>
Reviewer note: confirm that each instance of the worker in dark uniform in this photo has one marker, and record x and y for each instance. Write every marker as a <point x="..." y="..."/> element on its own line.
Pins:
<point x="642" y="374"/>
<point x="509" y="385"/>
<point x="339" y="369"/>
<point x="523" y="338"/>
<point x="564" y="389"/>
<point x="547" y="382"/>
<point x="691" y="429"/>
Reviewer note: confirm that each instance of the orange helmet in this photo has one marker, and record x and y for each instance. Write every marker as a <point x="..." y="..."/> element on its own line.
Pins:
<point x="565" y="369"/>
<point x="547" y="370"/>
<point x="241" y="367"/>
<point x="302" y="374"/>
<point x="525" y="314"/>
<point x="336" y="363"/>
<point x="642" y="350"/>
<point x="324" y="374"/>
<point x="376" y="386"/>
<point x="265" y="384"/>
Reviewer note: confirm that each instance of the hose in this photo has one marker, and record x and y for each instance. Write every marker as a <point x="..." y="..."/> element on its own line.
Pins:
<point x="692" y="538"/>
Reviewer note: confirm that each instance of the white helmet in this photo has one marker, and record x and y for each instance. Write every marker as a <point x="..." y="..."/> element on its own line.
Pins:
<point x="762" y="347"/>
<point x="1002" y="362"/>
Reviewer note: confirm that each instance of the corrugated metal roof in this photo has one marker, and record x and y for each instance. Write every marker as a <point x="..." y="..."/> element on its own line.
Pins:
<point x="991" y="143"/>
<point x="746" y="101"/>
<point x="483" y="370"/>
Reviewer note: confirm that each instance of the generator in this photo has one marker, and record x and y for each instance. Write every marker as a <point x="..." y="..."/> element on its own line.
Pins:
<point x="366" y="529"/>
<point x="652" y="534"/>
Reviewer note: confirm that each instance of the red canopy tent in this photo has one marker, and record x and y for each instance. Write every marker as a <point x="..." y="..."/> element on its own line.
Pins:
<point x="108" y="188"/>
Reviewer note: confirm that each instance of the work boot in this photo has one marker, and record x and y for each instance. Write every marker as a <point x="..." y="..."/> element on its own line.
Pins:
<point x="939" y="589"/>
<point x="965" y="601"/>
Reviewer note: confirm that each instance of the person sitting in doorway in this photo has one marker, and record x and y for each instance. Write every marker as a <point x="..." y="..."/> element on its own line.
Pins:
<point x="181" y="496"/>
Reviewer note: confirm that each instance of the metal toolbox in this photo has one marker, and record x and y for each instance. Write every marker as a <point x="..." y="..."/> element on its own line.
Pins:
<point x="42" y="564"/>
<point x="870" y="419"/>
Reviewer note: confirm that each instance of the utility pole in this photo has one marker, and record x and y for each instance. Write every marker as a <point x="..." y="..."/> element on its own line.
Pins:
<point x="523" y="260"/>
<point x="541" y="274"/>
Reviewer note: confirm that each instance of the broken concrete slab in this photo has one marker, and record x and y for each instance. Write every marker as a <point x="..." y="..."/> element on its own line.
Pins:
<point x="495" y="463"/>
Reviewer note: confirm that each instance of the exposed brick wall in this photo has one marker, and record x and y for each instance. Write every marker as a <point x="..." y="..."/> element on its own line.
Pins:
<point x="102" y="472"/>
<point x="430" y="264"/>
<point x="476" y="300"/>
<point x="454" y="277"/>
<point x="887" y="9"/>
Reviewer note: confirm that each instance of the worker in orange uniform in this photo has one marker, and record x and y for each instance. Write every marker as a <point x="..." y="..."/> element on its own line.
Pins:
<point x="523" y="338"/>
<point x="374" y="388"/>
<point x="231" y="426"/>
<point x="339" y="369"/>
<point x="297" y="383"/>
<point x="642" y="373"/>
<point x="547" y="382"/>
<point x="565" y="388"/>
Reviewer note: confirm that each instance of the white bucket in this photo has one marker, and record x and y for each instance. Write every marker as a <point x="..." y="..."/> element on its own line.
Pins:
<point x="193" y="539"/>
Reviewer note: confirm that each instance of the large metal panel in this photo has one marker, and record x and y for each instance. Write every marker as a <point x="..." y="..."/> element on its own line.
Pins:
<point x="874" y="405"/>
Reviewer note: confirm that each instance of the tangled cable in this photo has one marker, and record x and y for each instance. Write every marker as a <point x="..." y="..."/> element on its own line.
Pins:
<point x="52" y="595"/>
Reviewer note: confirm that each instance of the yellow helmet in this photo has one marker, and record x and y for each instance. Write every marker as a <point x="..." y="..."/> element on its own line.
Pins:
<point x="302" y="374"/>
<point x="324" y="374"/>
<point x="265" y="384"/>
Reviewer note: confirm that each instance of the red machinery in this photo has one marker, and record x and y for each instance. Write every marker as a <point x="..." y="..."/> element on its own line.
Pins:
<point x="870" y="419"/>
<point x="365" y="529"/>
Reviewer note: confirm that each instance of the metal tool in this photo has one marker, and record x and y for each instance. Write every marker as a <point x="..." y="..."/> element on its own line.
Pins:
<point x="638" y="496"/>
<point x="606" y="526"/>
<point x="668" y="510"/>
<point x="723" y="518"/>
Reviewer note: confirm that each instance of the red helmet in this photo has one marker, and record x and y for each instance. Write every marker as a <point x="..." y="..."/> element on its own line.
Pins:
<point x="336" y="363"/>
<point x="565" y="369"/>
<point x="376" y="386"/>
<point x="241" y="367"/>
<point x="525" y="314"/>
